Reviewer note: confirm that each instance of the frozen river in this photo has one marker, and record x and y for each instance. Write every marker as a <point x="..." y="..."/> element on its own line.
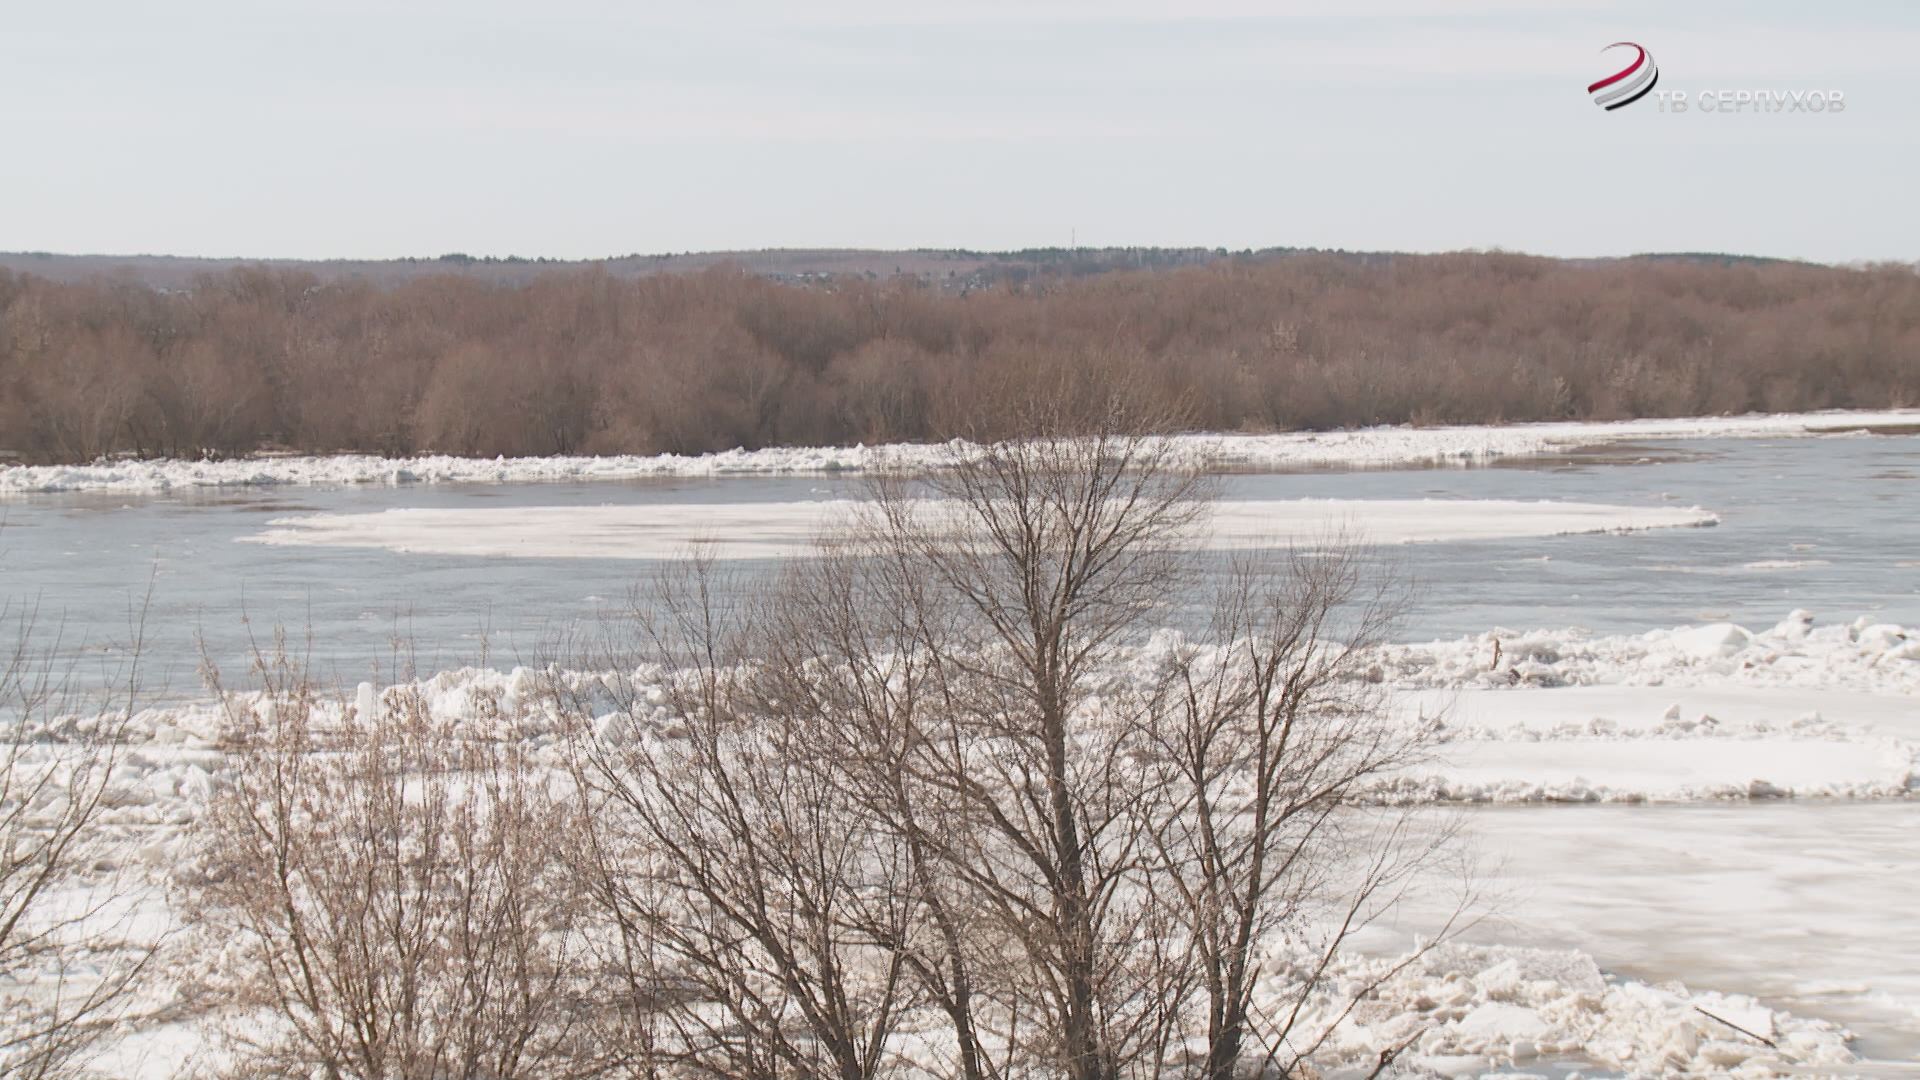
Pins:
<point x="1806" y="904"/>
<point x="1824" y="524"/>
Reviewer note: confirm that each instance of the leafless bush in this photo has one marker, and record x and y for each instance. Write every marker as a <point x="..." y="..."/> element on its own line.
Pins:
<point x="70" y="956"/>
<point x="390" y="891"/>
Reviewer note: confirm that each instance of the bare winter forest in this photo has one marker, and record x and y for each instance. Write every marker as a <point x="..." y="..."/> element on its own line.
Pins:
<point x="584" y="361"/>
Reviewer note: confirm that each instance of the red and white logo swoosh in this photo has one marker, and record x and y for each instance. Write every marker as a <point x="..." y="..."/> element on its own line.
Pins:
<point x="1629" y="84"/>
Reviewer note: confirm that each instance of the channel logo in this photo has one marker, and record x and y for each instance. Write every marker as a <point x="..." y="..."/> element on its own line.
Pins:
<point x="1629" y="84"/>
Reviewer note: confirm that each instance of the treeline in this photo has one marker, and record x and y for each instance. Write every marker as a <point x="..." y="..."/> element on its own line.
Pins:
<point x="582" y="362"/>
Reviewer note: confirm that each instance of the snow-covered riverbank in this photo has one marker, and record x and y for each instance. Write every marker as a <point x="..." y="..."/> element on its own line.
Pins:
<point x="1698" y="713"/>
<point x="1363" y="448"/>
<point x="1802" y="712"/>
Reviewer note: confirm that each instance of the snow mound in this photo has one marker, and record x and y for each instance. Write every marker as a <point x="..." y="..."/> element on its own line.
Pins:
<point x="1718" y="639"/>
<point x="1465" y="1010"/>
<point x="1863" y="655"/>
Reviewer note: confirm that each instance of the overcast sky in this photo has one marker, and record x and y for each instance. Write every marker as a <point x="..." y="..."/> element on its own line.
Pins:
<point x="348" y="128"/>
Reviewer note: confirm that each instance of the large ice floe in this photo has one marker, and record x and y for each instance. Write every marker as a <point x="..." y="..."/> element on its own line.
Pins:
<point x="1364" y="448"/>
<point x="784" y="529"/>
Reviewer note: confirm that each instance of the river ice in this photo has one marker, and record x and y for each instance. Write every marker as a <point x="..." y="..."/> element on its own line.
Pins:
<point x="1690" y="825"/>
<point x="1361" y="448"/>
<point x="769" y="530"/>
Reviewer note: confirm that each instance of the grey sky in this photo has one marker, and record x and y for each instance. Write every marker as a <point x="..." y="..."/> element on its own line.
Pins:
<point x="355" y="129"/>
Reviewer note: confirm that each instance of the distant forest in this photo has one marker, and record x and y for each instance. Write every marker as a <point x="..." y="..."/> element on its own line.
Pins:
<point x="573" y="360"/>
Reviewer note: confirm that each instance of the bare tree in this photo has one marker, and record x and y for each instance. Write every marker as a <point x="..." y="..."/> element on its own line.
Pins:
<point x="70" y="957"/>
<point x="1269" y="731"/>
<point x="889" y="783"/>
<point x="935" y="778"/>
<point x="1039" y="561"/>
<point x="762" y="919"/>
<point x="392" y="890"/>
<point x="843" y="644"/>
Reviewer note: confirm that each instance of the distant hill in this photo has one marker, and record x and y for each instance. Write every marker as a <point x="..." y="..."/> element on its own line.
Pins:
<point x="952" y="268"/>
<point x="955" y="269"/>
<point x="1715" y="258"/>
